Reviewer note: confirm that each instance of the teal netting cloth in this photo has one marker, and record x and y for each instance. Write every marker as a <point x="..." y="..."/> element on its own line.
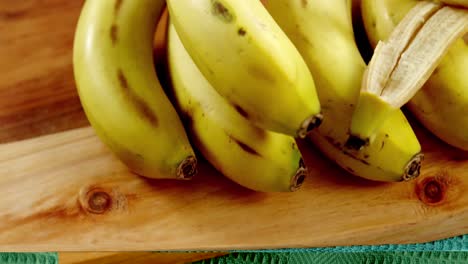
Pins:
<point x="447" y="251"/>
<point x="342" y="258"/>
<point x="28" y="258"/>
<point x="451" y="250"/>
<point x="459" y="243"/>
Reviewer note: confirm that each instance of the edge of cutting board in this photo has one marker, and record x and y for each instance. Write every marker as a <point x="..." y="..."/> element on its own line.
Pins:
<point x="48" y="184"/>
<point x="45" y="178"/>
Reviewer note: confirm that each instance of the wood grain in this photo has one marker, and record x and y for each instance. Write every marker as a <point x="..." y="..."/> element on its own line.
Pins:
<point x="133" y="257"/>
<point x="37" y="91"/>
<point x="67" y="192"/>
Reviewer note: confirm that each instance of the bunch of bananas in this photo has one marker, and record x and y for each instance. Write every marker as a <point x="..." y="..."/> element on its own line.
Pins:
<point x="243" y="81"/>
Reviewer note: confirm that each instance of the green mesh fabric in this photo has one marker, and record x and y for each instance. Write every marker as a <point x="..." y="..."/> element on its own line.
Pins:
<point x="28" y="258"/>
<point x="452" y="250"/>
<point x="342" y="258"/>
<point x="459" y="243"/>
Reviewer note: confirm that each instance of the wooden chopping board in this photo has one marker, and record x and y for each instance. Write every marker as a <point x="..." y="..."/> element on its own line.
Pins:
<point x="63" y="190"/>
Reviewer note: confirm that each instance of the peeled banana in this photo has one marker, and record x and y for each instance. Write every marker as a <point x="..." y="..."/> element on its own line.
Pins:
<point x="250" y="156"/>
<point x="323" y="33"/>
<point x="403" y="62"/>
<point x="120" y="92"/>
<point x="441" y="105"/>
<point x="249" y="60"/>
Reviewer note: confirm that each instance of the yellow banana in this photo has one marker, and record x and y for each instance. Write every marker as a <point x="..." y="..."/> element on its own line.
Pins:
<point x="120" y="92"/>
<point x="247" y="58"/>
<point x="323" y="33"/>
<point x="441" y="105"/>
<point x="254" y="158"/>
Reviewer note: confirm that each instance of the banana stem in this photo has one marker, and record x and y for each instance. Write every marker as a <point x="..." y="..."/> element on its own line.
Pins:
<point x="298" y="179"/>
<point x="412" y="170"/>
<point x="187" y="168"/>
<point x="309" y="124"/>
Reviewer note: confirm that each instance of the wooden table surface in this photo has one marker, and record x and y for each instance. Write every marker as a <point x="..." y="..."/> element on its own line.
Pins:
<point x="46" y="145"/>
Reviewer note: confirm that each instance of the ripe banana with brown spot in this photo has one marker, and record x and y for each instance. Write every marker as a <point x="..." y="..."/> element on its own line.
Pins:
<point x="323" y="33"/>
<point x="257" y="159"/>
<point x="249" y="60"/>
<point x="120" y="92"/>
<point x="441" y="105"/>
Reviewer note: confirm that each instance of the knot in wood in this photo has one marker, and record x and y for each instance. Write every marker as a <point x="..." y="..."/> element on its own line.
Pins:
<point x="96" y="201"/>
<point x="431" y="190"/>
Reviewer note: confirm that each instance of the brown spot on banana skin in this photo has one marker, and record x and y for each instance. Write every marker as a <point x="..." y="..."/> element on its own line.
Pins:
<point x="245" y="147"/>
<point x="219" y="10"/>
<point x="241" y="31"/>
<point x="147" y="113"/>
<point x="143" y="109"/>
<point x="114" y="28"/>
<point x="241" y="111"/>
<point x="382" y="146"/>
<point x="118" y="4"/>
<point x="113" y="34"/>
<point x="465" y="38"/>
<point x="293" y="146"/>
<point x="304" y="3"/>
<point x="122" y="80"/>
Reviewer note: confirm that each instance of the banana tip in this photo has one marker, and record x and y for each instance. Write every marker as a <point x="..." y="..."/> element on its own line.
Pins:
<point x="413" y="168"/>
<point x="187" y="168"/>
<point x="309" y="124"/>
<point x="299" y="177"/>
